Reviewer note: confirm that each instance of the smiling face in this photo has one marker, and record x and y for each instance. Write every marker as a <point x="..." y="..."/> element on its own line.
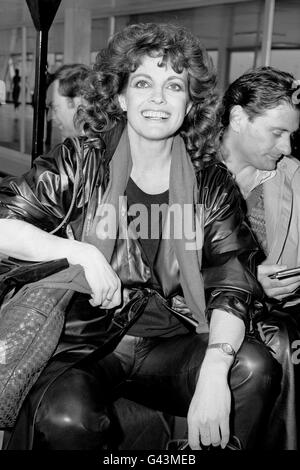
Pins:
<point x="156" y="100"/>
<point x="262" y="141"/>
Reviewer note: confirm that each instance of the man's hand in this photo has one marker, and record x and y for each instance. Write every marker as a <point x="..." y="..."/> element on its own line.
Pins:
<point x="276" y="288"/>
<point x="208" y="415"/>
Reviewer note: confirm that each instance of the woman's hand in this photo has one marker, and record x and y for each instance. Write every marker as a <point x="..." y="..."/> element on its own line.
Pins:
<point x="102" y="279"/>
<point x="25" y="241"/>
<point x="276" y="288"/>
<point x="208" y="415"/>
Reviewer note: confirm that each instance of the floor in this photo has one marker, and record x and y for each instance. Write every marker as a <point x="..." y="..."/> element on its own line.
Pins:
<point x="10" y="128"/>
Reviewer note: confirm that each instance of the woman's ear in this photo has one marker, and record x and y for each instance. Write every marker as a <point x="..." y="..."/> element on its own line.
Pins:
<point x="122" y="102"/>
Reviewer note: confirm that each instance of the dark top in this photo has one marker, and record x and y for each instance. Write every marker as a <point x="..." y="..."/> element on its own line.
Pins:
<point x="156" y="319"/>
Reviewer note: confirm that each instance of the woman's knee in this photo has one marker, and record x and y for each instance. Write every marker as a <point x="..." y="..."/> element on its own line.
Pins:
<point x="73" y="414"/>
<point x="256" y="367"/>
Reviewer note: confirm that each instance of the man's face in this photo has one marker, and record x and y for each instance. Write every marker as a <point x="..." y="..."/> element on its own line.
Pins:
<point x="62" y="110"/>
<point x="262" y="141"/>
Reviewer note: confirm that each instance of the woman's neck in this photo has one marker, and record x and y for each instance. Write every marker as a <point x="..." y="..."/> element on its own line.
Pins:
<point x="146" y="153"/>
<point x="151" y="161"/>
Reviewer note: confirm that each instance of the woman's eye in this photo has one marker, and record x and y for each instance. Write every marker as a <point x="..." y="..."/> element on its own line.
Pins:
<point x="175" y="86"/>
<point x="142" y="84"/>
<point x="277" y="133"/>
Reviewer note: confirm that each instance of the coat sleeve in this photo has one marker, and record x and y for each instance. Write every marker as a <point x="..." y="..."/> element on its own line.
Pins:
<point x="44" y="194"/>
<point x="230" y="252"/>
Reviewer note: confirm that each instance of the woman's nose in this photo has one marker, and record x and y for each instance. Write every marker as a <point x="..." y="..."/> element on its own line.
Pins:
<point x="158" y="96"/>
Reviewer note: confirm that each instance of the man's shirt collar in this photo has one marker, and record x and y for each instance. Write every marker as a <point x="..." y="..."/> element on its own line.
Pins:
<point x="249" y="178"/>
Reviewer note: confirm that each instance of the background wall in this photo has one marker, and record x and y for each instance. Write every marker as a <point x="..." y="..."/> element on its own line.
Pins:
<point x="234" y="32"/>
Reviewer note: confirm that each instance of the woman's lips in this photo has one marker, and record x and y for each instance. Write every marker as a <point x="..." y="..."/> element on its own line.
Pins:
<point x="155" y="114"/>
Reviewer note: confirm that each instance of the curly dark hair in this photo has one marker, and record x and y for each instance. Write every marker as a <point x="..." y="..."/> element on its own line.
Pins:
<point x="258" y="89"/>
<point x="123" y="56"/>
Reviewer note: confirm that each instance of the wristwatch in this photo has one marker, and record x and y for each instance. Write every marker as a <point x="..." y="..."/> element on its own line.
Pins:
<point x="226" y="348"/>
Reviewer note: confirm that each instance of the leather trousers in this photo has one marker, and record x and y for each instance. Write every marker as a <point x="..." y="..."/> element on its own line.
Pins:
<point x="77" y="410"/>
<point x="280" y="331"/>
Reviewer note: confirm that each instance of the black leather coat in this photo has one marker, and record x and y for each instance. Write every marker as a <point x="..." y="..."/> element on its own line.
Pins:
<point x="43" y="197"/>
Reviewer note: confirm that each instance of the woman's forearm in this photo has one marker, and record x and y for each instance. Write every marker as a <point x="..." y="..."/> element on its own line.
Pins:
<point x="22" y="240"/>
<point x="25" y="241"/>
<point x="224" y="328"/>
<point x="209" y="411"/>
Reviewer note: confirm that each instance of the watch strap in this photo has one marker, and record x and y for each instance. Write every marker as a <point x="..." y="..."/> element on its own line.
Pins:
<point x="226" y="348"/>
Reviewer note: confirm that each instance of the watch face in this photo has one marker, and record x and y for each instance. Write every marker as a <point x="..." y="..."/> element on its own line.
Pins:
<point x="227" y="348"/>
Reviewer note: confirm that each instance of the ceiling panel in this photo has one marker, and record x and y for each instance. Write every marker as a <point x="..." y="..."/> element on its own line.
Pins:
<point x="15" y="12"/>
<point x="247" y="16"/>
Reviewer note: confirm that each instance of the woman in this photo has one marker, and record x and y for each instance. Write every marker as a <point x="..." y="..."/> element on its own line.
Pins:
<point x="152" y="100"/>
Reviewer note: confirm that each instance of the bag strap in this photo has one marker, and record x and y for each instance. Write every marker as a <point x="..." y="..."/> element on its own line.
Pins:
<point x="77" y="180"/>
<point x="14" y="274"/>
<point x="135" y="309"/>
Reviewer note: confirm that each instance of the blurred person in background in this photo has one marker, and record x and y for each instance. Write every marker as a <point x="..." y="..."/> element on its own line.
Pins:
<point x="16" y="88"/>
<point x="64" y="95"/>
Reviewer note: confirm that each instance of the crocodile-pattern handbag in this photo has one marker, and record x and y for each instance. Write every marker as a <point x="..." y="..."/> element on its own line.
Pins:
<point x="33" y="299"/>
<point x="31" y="318"/>
<point x="31" y="322"/>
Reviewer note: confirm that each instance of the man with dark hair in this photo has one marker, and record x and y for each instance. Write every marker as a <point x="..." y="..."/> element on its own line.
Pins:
<point x="64" y="95"/>
<point x="260" y="115"/>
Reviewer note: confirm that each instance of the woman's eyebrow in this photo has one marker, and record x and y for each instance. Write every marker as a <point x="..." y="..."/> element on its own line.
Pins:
<point x="140" y="74"/>
<point x="176" y="77"/>
<point x="145" y="75"/>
